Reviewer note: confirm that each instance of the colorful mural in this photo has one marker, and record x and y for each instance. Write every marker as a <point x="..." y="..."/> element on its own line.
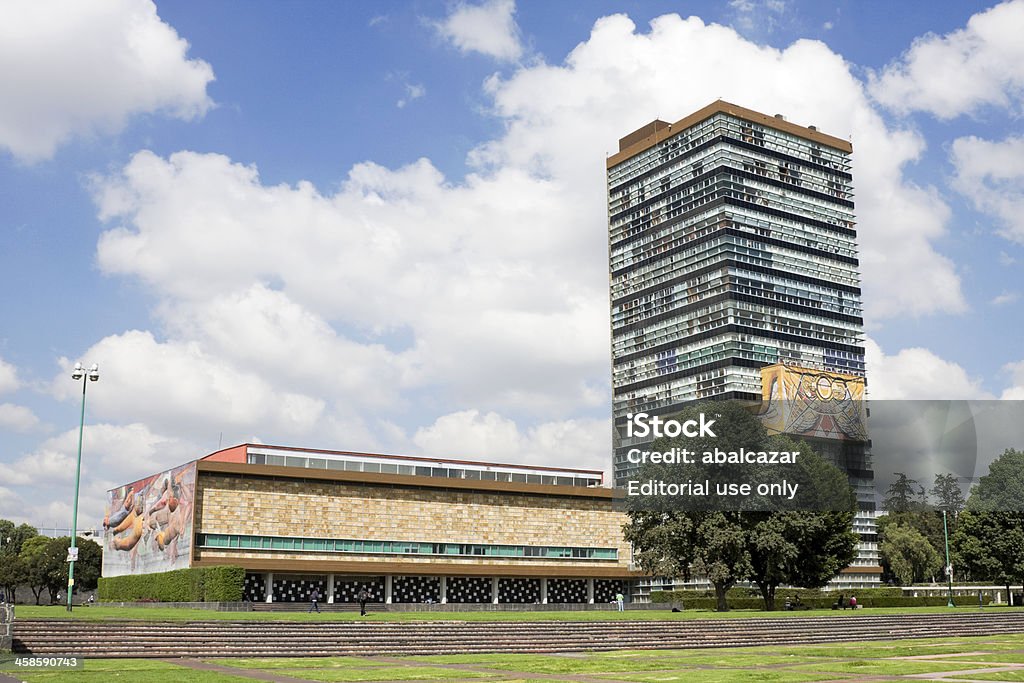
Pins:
<point x="148" y="524"/>
<point x="807" y="402"/>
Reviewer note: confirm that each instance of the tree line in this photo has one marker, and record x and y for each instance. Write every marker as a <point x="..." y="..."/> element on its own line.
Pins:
<point x="986" y="529"/>
<point x="40" y="562"/>
<point x="808" y="544"/>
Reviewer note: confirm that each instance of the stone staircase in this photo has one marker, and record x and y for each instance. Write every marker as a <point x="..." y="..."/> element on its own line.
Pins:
<point x="368" y="638"/>
<point x="324" y="607"/>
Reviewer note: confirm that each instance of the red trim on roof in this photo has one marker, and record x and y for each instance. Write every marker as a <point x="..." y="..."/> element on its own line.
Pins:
<point x="218" y="457"/>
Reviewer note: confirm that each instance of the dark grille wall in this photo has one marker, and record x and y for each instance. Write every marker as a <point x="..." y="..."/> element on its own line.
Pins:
<point x="254" y="589"/>
<point x="519" y="590"/>
<point x="416" y="589"/>
<point x="469" y="589"/>
<point x="606" y="589"/>
<point x="299" y="588"/>
<point x="347" y="590"/>
<point x="567" y="590"/>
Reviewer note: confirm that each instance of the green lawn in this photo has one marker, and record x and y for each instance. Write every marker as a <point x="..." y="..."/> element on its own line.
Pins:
<point x="788" y="664"/>
<point x="174" y="614"/>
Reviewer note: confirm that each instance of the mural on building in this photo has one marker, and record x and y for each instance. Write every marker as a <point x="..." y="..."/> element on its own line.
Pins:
<point x="807" y="402"/>
<point x="148" y="524"/>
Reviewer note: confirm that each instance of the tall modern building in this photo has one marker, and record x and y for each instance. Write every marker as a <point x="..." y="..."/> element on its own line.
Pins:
<point x="734" y="275"/>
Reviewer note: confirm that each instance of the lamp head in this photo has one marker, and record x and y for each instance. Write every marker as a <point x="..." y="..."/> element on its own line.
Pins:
<point x="77" y="372"/>
<point x="94" y="372"/>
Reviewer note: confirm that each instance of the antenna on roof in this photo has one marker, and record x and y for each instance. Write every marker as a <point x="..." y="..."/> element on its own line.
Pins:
<point x="220" y="440"/>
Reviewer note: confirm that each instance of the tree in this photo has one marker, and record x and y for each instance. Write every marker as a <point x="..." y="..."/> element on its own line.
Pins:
<point x="904" y="495"/>
<point x="925" y="522"/>
<point x="990" y="545"/>
<point x="948" y="495"/>
<point x="13" y="573"/>
<point x="989" y="539"/>
<point x="33" y="555"/>
<point x="732" y="538"/>
<point x="909" y="555"/>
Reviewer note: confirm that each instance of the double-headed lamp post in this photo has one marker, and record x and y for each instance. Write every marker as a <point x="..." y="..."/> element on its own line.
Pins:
<point x="90" y="375"/>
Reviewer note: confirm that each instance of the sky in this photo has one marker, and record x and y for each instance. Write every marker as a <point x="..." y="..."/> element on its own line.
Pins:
<point x="381" y="226"/>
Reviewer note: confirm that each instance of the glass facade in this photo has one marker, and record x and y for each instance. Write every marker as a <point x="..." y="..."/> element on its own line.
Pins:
<point x="445" y="470"/>
<point x="732" y="246"/>
<point x="333" y="545"/>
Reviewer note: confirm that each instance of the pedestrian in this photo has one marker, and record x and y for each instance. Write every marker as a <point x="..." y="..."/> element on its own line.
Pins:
<point x="620" y="601"/>
<point x="853" y="602"/>
<point x="314" y="598"/>
<point x="363" y="597"/>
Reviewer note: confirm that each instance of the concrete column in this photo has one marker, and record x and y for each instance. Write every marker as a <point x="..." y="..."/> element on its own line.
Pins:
<point x="590" y="591"/>
<point x="268" y="579"/>
<point x="494" y="590"/>
<point x="443" y="590"/>
<point x="388" y="582"/>
<point x="330" y="588"/>
<point x="543" y="591"/>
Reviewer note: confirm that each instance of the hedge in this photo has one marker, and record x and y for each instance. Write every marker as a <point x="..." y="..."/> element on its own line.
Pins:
<point x="205" y="584"/>
<point x="805" y="594"/>
<point x="815" y="602"/>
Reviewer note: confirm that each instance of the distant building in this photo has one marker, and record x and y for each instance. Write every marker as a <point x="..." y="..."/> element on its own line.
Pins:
<point x="406" y="529"/>
<point x="734" y="274"/>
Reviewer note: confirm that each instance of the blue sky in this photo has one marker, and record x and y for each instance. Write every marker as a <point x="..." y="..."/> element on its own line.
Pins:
<point x="380" y="226"/>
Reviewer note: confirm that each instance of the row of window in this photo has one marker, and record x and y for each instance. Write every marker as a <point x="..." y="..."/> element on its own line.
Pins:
<point x="420" y="471"/>
<point x="331" y="545"/>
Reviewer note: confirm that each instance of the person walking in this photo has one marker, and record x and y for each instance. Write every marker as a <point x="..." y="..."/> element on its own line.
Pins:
<point x="363" y="597"/>
<point x="314" y="598"/>
<point x="620" y="601"/>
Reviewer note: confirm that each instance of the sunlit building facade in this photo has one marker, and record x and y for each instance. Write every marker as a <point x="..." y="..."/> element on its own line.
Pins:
<point x="733" y="248"/>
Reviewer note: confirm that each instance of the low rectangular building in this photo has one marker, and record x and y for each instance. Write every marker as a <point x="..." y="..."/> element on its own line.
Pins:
<point x="405" y="529"/>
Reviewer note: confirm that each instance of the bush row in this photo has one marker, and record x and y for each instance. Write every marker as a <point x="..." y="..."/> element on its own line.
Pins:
<point x="198" y="584"/>
<point x="818" y="602"/>
<point x="781" y="594"/>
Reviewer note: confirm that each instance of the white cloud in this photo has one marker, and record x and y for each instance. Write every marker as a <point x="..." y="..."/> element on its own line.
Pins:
<point x="620" y="79"/>
<point x="979" y="65"/>
<point x="584" y="444"/>
<point x="8" y="377"/>
<point x="178" y="387"/>
<point x="413" y="91"/>
<point x="918" y="374"/>
<point x="1005" y="298"/>
<point x="1005" y="259"/>
<point x="488" y="28"/>
<point x="71" y="68"/>
<point x="17" y="418"/>
<point x="342" y="318"/>
<point x="991" y="176"/>
<point x="757" y="17"/>
<point x="1015" y="392"/>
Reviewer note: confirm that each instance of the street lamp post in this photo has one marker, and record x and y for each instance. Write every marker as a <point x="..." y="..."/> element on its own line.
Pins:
<point x="949" y="567"/>
<point x="90" y="375"/>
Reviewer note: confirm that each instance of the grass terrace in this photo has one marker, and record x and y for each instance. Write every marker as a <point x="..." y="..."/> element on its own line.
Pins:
<point x="100" y="613"/>
<point x="982" y="658"/>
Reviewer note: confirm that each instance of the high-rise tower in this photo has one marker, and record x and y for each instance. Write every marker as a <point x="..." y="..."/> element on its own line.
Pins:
<point x="732" y="248"/>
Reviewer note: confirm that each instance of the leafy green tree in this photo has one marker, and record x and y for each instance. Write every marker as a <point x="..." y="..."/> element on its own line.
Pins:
<point x="990" y="545"/>
<point x="33" y="555"/>
<point x="909" y="555"/>
<point x="13" y="573"/>
<point x="904" y="495"/>
<point x="948" y="495"/>
<point x="989" y="539"/>
<point x="925" y="522"/>
<point x="807" y="543"/>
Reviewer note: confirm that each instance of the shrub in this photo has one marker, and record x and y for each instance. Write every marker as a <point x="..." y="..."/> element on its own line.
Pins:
<point x="198" y="584"/>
